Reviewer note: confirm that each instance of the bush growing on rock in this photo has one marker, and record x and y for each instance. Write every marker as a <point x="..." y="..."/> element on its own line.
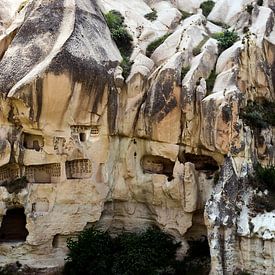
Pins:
<point x="151" y="16"/>
<point x="122" y="38"/>
<point x="226" y="39"/>
<point x="210" y="81"/>
<point x="259" y="115"/>
<point x="185" y="14"/>
<point x="155" y="44"/>
<point x="95" y="252"/>
<point x="264" y="179"/>
<point x="207" y="7"/>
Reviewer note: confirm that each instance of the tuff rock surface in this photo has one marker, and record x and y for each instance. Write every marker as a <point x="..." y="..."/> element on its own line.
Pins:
<point x="155" y="148"/>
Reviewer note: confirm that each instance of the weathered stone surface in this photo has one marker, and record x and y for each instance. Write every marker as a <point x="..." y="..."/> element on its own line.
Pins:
<point x="157" y="148"/>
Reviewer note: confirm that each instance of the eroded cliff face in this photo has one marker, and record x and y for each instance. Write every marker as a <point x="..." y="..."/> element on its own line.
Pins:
<point x="156" y="148"/>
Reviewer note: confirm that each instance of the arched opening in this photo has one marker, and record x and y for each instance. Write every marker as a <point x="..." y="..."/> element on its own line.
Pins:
<point x="13" y="226"/>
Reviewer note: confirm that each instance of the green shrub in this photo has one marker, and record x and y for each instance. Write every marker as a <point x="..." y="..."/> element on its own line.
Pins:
<point x="149" y="252"/>
<point x="95" y="252"/>
<point x="155" y="44"/>
<point x="197" y="50"/>
<point x="91" y="253"/>
<point x="151" y="16"/>
<point x="210" y="81"/>
<point x="207" y="7"/>
<point x="126" y="65"/>
<point x="259" y="115"/>
<point x="122" y="38"/>
<point x="197" y="261"/>
<point x="226" y="39"/>
<point x="184" y="71"/>
<point x="263" y="179"/>
<point x="185" y="14"/>
<point x="266" y="176"/>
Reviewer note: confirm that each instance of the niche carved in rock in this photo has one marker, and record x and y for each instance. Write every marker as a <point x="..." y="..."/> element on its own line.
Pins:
<point x="157" y="165"/>
<point x="78" y="169"/>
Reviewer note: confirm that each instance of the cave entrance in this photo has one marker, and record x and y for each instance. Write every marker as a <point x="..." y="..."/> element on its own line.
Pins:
<point x="198" y="258"/>
<point x="13" y="227"/>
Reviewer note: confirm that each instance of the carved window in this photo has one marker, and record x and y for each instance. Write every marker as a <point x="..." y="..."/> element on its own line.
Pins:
<point x="47" y="173"/>
<point x="94" y="131"/>
<point x="33" y="142"/>
<point x="78" y="169"/>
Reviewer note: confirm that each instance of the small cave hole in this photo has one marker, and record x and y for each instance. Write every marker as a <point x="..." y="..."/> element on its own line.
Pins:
<point x="13" y="226"/>
<point x="56" y="241"/>
<point x="82" y="137"/>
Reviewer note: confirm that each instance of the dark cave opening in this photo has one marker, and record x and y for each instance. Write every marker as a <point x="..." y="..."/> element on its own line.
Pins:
<point x="202" y="162"/>
<point x="13" y="227"/>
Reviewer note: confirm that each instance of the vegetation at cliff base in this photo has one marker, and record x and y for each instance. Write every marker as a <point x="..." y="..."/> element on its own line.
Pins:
<point x="207" y="7"/>
<point x="95" y="252"/>
<point x="226" y="39"/>
<point x="122" y="38"/>
<point x="155" y="44"/>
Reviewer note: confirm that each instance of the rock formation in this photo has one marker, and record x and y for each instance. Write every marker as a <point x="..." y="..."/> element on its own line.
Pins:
<point x="82" y="145"/>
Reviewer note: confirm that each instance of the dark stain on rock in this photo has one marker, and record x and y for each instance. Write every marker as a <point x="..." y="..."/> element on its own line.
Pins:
<point x="112" y="110"/>
<point x="46" y="18"/>
<point x="160" y="99"/>
<point x="226" y="113"/>
<point x="39" y="89"/>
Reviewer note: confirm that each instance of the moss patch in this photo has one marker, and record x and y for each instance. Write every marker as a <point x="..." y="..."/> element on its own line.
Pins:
<point x="155" y="44"/>
<point x="151" y="16"/>
<point x="210" y="81"/>
<point x="207" y="7"/>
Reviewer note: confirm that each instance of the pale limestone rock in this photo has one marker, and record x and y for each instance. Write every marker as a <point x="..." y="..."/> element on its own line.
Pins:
<point x="190" y="188"/>
<point x="100" y="149"/>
